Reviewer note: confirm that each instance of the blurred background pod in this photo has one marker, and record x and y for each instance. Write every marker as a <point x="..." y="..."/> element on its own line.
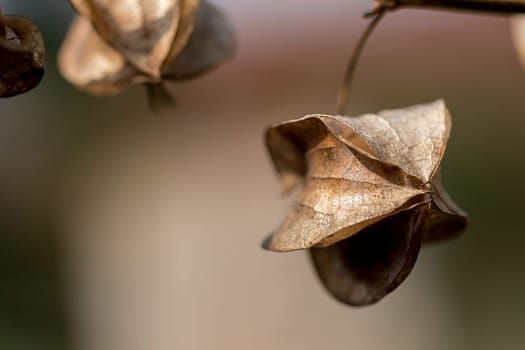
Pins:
<point x="115" y="44"/>
<point x="22" y="55"/>
<point x="518" y="36"/>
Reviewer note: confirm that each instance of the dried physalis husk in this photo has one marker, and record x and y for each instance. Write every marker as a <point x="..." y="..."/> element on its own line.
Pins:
<point x="371" y="194"/>
<point x="518" y="36"/>
<point x="21" y="55"/>
<point x="114" y="44"/>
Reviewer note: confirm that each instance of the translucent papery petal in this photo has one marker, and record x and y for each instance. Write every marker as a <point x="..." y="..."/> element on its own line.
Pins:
<point x="345" y="190"/>
<point x="188" y="14"/>
<point x="143" y="31"/>
<point x="412" y="138"/>
<point x="91" y="64"/>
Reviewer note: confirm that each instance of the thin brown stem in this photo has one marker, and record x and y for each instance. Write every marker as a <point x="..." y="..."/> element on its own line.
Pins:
<point x="492" y="6"/>
<point x="382" y="6"/>
<point x="342" y="97"/>
<point x="2" y="27"/>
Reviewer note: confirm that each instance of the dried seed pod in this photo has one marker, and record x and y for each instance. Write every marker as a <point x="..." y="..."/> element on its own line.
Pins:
<point x="21" y="55"/>
<point x="114" y="44"/>
<point x="371" y="195"/>
<point x="518" y="35"/>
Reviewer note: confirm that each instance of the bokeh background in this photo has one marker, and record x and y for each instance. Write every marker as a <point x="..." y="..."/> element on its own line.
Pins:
<point x="125" y="230"/>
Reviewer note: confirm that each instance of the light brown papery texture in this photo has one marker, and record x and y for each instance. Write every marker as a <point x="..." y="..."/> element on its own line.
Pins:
<point x="413" y="139"/>
<point x="371" y="194"/>
<point x="188" y="12"/>
<point x="102" y="56"/>
<point x="356" y="171"/>
<point x="91" y="64"/>
<point x="142" y="31"/>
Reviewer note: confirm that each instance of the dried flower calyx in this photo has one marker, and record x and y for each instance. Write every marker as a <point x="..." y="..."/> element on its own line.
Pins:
<point x="371" y="194"/>
<point x="21" y="55"/>
<point x="117" y="43"/>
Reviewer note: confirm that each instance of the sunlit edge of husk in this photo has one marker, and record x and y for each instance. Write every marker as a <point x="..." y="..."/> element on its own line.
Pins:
<point x="456" y="220"/>
<point x="438" y="104"/>
<point x="327" y="241"/>
<point x="183" y="31"/>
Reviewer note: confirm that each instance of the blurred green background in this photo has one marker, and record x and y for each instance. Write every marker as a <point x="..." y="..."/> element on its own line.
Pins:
<point x="120" y="229"/>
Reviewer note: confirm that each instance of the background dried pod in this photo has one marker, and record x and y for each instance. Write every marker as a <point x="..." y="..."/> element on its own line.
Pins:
<point x="143" y="33"/>
<point x="357" y="175"/>
<point x="116" y="44"/>
<point x="22" y="55"/>
<point x="518" y="36"/>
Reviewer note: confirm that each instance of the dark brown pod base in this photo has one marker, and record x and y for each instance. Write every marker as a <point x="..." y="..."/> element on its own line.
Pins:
<point x="362" y="269"/>
<point x="21" y="55"/>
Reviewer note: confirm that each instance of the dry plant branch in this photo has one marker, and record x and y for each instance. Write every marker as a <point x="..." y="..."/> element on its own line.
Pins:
<point x="382" y="6"/>
<point x="342" y="97"/>
<point x="492" y="6"/>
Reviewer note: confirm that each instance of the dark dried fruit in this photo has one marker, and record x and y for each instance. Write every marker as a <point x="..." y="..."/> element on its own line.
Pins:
<point x="21" y="55"/>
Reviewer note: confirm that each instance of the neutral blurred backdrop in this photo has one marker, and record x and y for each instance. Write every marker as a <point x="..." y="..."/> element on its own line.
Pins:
<point x="125" y="230"/>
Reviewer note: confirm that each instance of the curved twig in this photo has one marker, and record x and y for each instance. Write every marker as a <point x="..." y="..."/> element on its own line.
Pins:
<point x="342" y="97"/>
<point x="492" y="6"/>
